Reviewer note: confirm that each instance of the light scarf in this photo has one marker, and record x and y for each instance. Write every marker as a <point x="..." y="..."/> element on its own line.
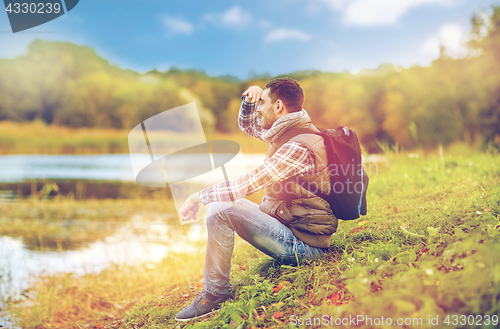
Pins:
<point x="298" y="119"/>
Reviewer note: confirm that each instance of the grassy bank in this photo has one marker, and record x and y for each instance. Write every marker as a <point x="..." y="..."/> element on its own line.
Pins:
<point x="429" y="248"/>
<point x="39" y="138"/>
<point x="82" y="189"/>
<point x="65" y="223"/>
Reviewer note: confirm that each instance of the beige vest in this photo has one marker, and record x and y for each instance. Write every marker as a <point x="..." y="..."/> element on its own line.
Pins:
<point x="307" y="215"/>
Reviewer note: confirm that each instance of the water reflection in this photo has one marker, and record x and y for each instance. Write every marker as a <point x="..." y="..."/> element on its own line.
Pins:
<point x="137" y="242"/>
<point x="19" y="168"/>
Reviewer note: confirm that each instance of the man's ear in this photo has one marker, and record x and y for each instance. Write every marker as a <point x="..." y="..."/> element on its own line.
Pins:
<point x="280" y="107"/>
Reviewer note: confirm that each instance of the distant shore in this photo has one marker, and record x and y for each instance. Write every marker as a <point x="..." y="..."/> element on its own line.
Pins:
<point x="40" y="138"/>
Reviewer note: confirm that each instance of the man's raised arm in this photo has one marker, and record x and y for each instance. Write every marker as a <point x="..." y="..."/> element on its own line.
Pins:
<point x="248" y="118"/>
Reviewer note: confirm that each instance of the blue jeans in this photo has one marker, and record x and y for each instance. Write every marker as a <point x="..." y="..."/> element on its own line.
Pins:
<point x="259" y="229"/>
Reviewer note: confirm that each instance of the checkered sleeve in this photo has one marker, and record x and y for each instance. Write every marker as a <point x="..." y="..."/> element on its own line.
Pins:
<point x="248" y="119"/>
<point x="290" y="160"/>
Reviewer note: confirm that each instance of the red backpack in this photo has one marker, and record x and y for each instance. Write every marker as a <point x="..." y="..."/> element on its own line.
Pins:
<point x="348" y="179"/>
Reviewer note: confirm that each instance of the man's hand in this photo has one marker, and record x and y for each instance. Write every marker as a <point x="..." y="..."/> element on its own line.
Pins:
<point x="253" y="94"/>
<point x="190" y="207"/>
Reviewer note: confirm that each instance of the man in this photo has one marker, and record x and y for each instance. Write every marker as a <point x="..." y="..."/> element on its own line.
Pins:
<point x="291" y="222"/>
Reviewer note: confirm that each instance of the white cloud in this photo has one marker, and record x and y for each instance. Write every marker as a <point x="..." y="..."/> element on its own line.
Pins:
<point x="234" y="17"/>
<point x="177" y="25"/>
<point x="281" y="34"/>
<point x="377" y="12"/>
<point x="452" y="37"/>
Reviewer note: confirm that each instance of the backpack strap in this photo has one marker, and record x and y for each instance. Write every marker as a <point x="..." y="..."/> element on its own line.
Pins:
<point x="291" y="133"/>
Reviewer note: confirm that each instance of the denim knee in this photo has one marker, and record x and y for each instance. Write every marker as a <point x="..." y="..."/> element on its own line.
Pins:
<point x="215" y="211"/>
<point x="215" y="207"/>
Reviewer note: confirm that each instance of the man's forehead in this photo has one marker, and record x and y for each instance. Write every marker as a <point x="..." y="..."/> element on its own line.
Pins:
<point x="266" y="94"/>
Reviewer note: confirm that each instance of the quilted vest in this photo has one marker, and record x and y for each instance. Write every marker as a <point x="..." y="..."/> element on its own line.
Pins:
<point x="308" y="216"/>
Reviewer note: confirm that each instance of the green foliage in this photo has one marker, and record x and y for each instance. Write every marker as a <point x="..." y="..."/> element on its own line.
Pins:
<point x="429" y="247"/>
<point x="452" y="100"/>
<point x="151" y="313"/>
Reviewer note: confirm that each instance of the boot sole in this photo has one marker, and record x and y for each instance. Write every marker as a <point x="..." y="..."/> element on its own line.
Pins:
<point x="196" y="317"/>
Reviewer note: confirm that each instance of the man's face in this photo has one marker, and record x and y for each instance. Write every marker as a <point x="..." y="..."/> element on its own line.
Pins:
<point x="267" y="109"/>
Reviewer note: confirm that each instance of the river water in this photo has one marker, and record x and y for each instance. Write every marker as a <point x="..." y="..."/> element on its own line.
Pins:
<point x="19" y="266"/>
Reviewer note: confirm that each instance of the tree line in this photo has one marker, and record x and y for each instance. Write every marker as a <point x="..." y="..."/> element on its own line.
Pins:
<point x="451" y="100"/>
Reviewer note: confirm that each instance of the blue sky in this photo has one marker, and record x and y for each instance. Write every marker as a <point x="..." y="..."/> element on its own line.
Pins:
<point x="276" y="37"/>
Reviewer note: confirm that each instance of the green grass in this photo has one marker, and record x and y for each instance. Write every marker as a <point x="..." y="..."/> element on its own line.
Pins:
<point x="429" y="247"/>
<point x="40" y="138"/>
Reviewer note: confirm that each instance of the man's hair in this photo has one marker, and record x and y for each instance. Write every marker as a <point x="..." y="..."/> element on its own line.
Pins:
<point x="289" y="91"/>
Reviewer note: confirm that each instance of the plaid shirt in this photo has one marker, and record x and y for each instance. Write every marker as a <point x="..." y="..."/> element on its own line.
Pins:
<point x="290" y="160"/>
